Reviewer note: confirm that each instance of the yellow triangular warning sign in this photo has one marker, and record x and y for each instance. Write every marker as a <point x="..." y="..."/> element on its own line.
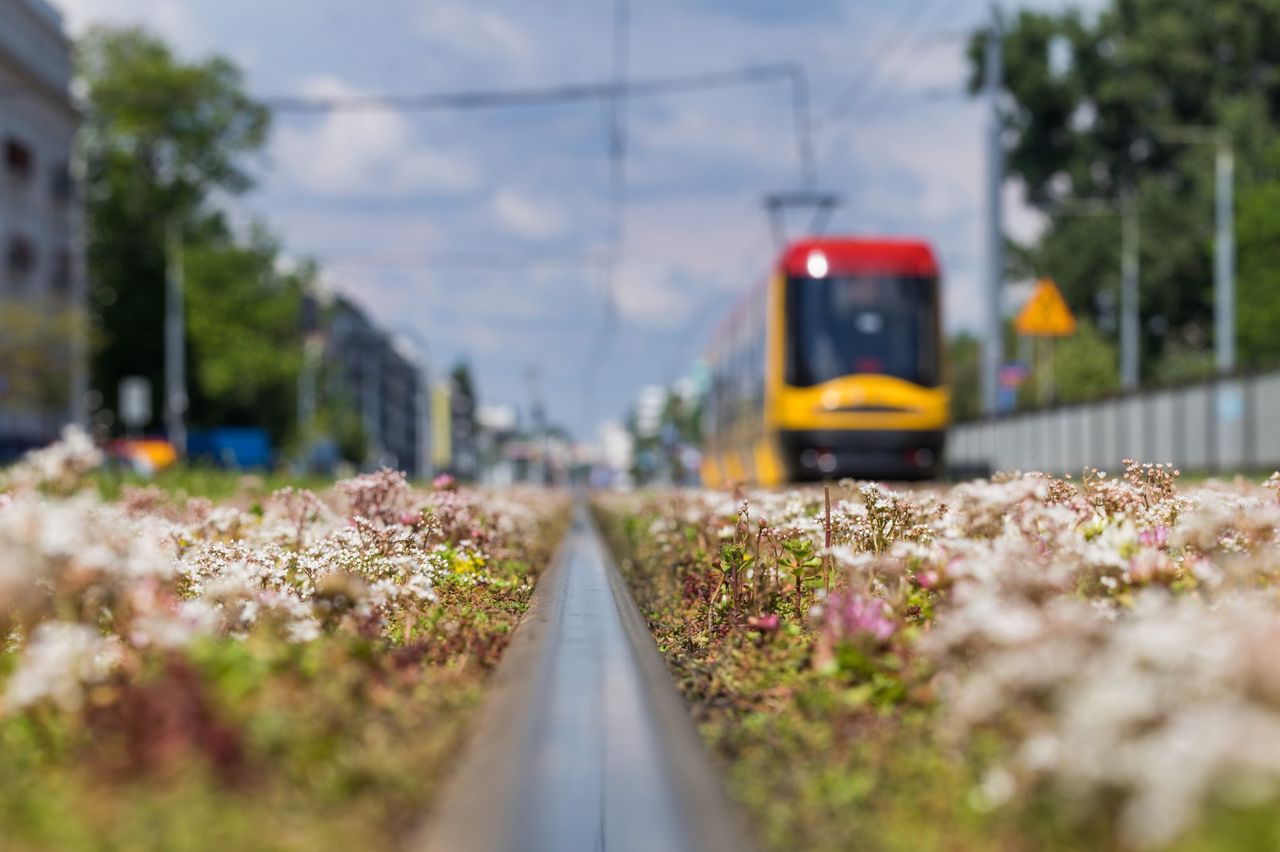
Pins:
<point x="1046" y="313"/>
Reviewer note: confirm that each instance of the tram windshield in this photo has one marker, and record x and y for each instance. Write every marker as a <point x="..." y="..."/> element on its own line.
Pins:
<point x="845" y="326"/>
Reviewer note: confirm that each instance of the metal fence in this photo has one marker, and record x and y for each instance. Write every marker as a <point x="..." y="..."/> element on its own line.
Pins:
<point x="1218" y="425"/>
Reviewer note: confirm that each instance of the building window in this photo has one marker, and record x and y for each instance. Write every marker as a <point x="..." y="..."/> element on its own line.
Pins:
<point x="61" y="281"/>
<point x="19" y="162"/>
<point x="20" y="259"/>
<point x="61" y="184"/>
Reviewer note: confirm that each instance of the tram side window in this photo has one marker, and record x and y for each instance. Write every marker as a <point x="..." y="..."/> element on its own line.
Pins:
<point x="708" y="420"/>
<point x="739" y="375"/>
<point x="741" y="390"/>
<point x="744" y="373"/>
<point x="723" y="396"/>
<point x="715" y="408"/>
<point x="757" y="358"/>
<point x="726" y="391"/>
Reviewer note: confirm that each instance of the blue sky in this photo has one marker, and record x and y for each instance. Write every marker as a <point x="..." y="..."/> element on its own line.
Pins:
<point x="376" y="196"/>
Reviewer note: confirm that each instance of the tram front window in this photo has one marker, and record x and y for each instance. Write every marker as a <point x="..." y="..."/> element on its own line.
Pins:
<point x="843" y="326"/>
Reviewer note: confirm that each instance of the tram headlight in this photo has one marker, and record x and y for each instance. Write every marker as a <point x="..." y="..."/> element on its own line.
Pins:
<point x="817" y="265"/>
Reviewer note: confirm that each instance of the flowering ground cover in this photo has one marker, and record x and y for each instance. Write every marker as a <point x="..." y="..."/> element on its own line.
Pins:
<point x="1025" y="663"/>
<point x="295" y="671"/>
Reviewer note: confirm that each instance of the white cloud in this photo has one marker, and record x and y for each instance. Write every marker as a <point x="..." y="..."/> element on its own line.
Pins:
<point x="528" y="217"/>
<point x="383" y="239"/>
<point x="171" y="19"/>
<point x="649" y="296"/>
<point x="365" y="154"/>
<point x="474" y="32"/>
<point x="690" y="255"/>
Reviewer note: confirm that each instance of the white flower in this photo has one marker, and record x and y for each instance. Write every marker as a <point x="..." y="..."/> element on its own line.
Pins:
<point x="304" y="630"/>
<point x="59" y="661"/>
<point x="190" y="621"/>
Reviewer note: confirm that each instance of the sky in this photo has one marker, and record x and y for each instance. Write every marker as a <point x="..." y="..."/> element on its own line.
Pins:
<point x="479" y="233"/>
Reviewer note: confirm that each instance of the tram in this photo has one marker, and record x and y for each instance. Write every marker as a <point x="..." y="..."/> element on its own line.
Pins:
<point x="830" y="368"/>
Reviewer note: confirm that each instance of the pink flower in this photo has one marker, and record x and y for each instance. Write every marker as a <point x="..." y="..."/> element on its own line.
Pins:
<point x="851" y="616"/>
<point x="763" y="623"/>
<point x="378" y="496"/>
<point x="444" y="482"/>
<point x="1157" y="536"/>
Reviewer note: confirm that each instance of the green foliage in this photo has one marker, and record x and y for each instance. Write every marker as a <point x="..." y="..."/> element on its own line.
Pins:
<point x="34" y="356"/>
<point x="334" y="750"/>
<point x="1094" y="125"/>
<point x="816" y="761"/>
<point x="1258" y="297"/>
<point x="183" y="481"/>
<point x="344" y="423"/>
<point x="163" y="137"/>
<point x="1084" y="366"/>
<point x="1184" y="359"/>
<point x="253" y="742"/>
<point x="242" y="324"/>
<point x="964" y="355"/>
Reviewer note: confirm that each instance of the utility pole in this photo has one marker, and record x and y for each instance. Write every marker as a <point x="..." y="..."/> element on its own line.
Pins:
<point x="79" y="310"/>
<point x="538" y="422"/>
<point x="175" y="341"/>
<point x="1224" y="261"/>
<point x="1130" y="271"/>
<point x="992" y="352"/>
<point x="1224" y="242"/>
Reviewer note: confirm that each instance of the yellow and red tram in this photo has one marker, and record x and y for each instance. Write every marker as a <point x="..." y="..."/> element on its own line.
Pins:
<point x="831" y="368"/>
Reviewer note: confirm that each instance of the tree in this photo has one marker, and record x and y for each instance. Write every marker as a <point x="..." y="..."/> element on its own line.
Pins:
<point x="964" y="360"/>
<point x="1091" y="103"/>
<point x="35" y="357"/>
<point x="1258" y="240"/>
<point x="243" y="326"/>
<point x="161" y="137"/>
<point x="1084" y="366"/>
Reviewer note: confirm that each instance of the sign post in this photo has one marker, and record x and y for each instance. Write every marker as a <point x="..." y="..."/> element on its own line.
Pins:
<point x="134" y="397"/>
<point x="1046" y="315"/>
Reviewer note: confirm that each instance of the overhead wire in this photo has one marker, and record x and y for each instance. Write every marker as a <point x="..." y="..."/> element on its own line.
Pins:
<point x="534" y="96"/>
<point x="613" y="91"/>
<point x="461" y="260"/>
<point x="617" y="152"/>
<point x="870" y="65"/>
<point x="871" y="99"/>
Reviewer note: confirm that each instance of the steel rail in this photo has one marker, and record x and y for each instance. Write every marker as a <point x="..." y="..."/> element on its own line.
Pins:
<point x="584" y="743"/>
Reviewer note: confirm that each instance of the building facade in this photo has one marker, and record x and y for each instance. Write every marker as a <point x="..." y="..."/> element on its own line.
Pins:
<point x="43" y="338"/>
<point x="383" y="378"/>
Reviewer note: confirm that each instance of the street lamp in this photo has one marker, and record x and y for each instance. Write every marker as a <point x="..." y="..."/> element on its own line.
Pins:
<point x="1224" y="253"/>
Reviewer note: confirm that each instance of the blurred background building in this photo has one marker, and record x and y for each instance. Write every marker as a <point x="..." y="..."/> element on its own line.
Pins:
<point x="43" y="357"/>
<point x="384" y="378"/>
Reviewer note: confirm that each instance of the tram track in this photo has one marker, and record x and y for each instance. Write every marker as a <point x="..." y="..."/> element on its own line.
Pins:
<point x="585" y="743"/>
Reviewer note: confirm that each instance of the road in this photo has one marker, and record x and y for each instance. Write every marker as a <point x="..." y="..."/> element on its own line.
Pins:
<point x="584" y="744"/>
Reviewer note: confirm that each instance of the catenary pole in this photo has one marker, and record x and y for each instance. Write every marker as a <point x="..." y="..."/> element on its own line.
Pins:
<point x="175" y="335"/>
<point x="1130" y="272"/>
<point x="1224" y="245"/>
<point x="1224" y="261"/>
<point x="992" y="352"/>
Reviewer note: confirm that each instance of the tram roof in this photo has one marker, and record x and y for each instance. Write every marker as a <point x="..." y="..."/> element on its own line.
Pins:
<point x="845" y="256"/>
<point x="861" y="256"/>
